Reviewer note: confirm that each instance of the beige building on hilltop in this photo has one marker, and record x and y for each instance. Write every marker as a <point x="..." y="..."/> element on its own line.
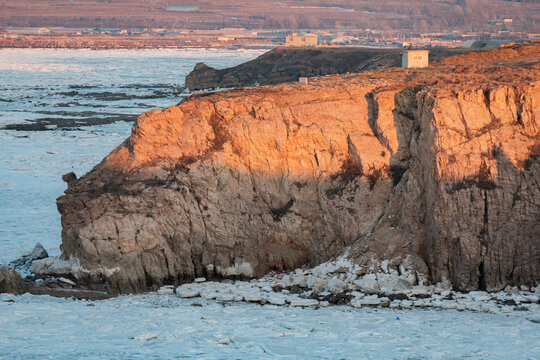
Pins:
<point x="415" y="59"/>
<point x="301" y="40"/>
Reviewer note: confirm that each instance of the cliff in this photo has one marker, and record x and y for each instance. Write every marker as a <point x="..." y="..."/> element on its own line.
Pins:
<point x="288" y="64"/>
<point x="434" y="169"/>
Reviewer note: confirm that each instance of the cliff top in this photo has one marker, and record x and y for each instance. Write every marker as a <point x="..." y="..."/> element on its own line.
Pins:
<point x="514" y="62"/>
<point x="515" y="66"/>
<point x="285" y="64"/>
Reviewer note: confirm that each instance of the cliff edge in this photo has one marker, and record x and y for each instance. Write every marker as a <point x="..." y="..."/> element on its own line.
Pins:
<point x="434" y="169"/>
<point x="285" y="64"/>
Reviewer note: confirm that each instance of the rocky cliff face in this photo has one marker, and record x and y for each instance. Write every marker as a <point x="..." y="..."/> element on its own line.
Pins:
<point x="437" y="169"/>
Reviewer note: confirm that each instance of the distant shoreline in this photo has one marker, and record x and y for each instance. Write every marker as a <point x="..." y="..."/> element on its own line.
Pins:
<point x="148" y="48"/>
<point x="115" y="42"/>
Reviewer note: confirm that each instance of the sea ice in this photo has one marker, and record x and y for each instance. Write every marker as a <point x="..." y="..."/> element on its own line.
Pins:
<point x="154" y="326"/>
<point x="295" y="301"/>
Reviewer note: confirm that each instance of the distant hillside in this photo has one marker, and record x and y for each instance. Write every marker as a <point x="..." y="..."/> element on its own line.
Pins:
<point x="413" y="15"/>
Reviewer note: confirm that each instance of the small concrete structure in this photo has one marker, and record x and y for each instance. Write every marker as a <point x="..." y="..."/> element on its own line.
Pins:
<point x="415" y="59"/>
<point x="301" y="40"/>
<point x="303" y="80"/>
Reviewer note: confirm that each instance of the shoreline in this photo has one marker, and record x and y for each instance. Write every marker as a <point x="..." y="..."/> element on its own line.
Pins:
<point x="268" y="291"/>
<point x="105" y="43"/>
<point x="224" y="48"/>
<point x="334" y="283"/>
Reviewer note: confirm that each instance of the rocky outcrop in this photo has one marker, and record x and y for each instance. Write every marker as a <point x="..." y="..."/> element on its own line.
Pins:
<point x="11" y="282"/>
<point x="24" y="263"/>
<point x="288" y="64"/>
<point x="435" y="170"/>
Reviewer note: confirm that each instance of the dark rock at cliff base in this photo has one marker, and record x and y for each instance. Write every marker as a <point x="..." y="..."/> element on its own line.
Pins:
<point x="288" y="64"/>
<point x="11" y="282"/>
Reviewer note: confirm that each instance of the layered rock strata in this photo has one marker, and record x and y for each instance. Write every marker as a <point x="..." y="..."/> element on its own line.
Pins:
<point x="436" y="168"/>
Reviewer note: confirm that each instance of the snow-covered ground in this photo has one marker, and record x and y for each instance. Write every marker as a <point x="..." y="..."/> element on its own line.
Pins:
<point x="153" y="326"/>
<point x="38" y="83"/>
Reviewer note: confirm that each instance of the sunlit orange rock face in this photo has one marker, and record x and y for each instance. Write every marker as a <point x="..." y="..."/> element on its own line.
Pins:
<point x="439" y="165"/>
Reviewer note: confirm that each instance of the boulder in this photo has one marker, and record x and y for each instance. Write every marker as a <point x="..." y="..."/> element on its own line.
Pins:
<point x="69" y="178"/>
<point x="11" y="281"/>
<point x="24" y="263"/>
<point x="38" y="253"/>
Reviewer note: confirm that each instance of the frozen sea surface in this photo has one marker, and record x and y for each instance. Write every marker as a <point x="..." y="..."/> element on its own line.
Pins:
<point x="152" y="326"/>
<point x="81" y="84"/>
<point x="31" y="168"/>
<point x="48" y="83"/>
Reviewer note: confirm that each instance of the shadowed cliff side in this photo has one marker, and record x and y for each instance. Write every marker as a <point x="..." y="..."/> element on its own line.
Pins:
<point x="436" y="168"/>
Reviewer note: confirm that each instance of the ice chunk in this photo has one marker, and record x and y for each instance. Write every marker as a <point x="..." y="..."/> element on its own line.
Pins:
<point x="146" y="337"/>
<point x="252" y="296"/>
<point x="51" y="265"/>
<point x="67" y="281"/>
<point x="368" y="284"/>
<point x="166" y="290"/>
<point x="188" y="291"/>
<point x="303" y="302"/>
<point x="448" y="305"/>
<point x="406" y="304"/>
<point x="276" y="300"/>
<point x="370" y="300"/>
<point x="224" y="297"/>
<point x="209" y="295"/>
<point x="384" y="266"/>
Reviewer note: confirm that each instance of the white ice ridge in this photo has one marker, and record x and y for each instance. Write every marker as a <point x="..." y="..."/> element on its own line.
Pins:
<point x="56" y="266"/>
<point x="341" y="281"/>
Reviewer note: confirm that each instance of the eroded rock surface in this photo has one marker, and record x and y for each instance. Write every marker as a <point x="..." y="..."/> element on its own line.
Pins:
<point x="438" y="168"/>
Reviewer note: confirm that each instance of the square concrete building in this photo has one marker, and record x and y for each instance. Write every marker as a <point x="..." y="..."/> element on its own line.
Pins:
<point x="415" y="59"/>
<point x="301" y="40"/>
